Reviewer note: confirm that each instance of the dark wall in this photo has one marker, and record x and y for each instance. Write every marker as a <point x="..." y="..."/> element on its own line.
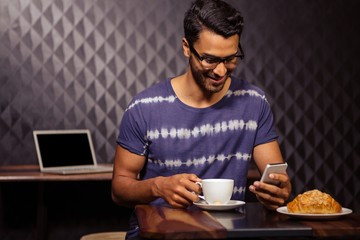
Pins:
<point x="76" y="64"/>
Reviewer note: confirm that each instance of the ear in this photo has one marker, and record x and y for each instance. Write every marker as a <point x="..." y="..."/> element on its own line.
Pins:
<point x="185" y="46"/>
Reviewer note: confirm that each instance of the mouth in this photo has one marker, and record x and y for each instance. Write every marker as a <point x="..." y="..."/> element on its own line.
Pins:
<point x="217" y="80"/>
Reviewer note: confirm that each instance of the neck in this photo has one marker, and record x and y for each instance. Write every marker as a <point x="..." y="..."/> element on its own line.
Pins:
<point x="191" y="94"/>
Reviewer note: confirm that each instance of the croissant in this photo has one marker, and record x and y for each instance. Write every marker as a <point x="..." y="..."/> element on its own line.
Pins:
<point x="314" y="202"/>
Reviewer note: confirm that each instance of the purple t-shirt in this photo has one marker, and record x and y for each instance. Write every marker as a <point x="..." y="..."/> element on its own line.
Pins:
<point x="212" y="142"/>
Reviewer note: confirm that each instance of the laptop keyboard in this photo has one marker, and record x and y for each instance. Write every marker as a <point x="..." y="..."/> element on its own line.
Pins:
<point x="85" y="170"/>
<point x="82" y="169"/>
<point x="79" y="170"/>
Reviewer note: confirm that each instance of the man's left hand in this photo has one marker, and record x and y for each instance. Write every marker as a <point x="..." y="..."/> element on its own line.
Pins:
<point x="272" y="196"/>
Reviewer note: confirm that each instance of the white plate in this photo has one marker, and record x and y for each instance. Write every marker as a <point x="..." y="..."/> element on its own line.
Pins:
<point x="232" y="204"/>
<point x="284" y="210"/>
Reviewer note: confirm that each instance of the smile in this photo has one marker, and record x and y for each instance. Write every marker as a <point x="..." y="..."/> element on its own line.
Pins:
<point x="218" y="80"/>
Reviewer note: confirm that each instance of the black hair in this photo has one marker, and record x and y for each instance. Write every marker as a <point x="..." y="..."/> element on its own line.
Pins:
<point x="214" y="15"/>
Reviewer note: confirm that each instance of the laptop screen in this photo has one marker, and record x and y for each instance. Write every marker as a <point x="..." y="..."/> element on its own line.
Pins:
<point x="64" y="148"/>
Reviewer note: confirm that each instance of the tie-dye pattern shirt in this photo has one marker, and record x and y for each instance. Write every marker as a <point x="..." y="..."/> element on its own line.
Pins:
<point x="212" y="142"/>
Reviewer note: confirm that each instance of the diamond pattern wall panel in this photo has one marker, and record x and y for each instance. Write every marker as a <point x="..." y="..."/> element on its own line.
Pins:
<point x="76" y="64"/>
<point x="305" y="59"/>
<point x="69" y="64"/>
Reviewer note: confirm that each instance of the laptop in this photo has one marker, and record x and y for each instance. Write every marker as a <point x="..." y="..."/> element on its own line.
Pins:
<point x="66" y="152"/>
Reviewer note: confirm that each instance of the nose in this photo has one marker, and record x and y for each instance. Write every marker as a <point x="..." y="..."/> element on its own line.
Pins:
<point x="220" y="69"/>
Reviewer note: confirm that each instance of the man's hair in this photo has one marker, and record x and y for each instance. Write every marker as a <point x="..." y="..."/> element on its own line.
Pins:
<point x="214" y="15"/>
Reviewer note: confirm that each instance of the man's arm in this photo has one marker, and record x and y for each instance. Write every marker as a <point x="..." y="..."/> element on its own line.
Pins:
<point x="128" y="190"/>
<point x="269" y="195"/>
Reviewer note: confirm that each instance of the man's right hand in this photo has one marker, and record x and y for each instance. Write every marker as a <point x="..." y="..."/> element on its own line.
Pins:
<point x="179" y="190"/>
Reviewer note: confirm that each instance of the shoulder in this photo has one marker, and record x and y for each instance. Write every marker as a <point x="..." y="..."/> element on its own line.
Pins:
<point x="241" y="87"/>
<point x="157" y="93"/>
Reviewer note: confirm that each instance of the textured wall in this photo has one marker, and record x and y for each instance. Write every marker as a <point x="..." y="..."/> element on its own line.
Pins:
<point x="76" y="64"/>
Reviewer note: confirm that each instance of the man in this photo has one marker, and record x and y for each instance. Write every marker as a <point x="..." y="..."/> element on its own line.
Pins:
<point x="204" y="123"/>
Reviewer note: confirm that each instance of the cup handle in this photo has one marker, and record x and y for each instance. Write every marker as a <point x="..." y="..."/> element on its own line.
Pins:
<point x="200" y="196"/>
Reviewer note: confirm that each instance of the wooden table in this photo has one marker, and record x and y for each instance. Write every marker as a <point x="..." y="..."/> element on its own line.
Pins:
<point x="31" y="173"/>
<point x="16" y="173"/>
<point x="250" y="221"/>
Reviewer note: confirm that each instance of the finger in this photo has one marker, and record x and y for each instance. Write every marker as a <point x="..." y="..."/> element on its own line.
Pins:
<point x="192" y="186"/>
<point x="194" y="178"/>
<point x="265" y="196"/>
<point x="282" y="190"/>
<point x="192" y="196"/>
<point x="281" y="177"/>
<point x="269" y="204"/>
<point x="269" y="193"/>
<point x="179" y="201"/>
<point x="185" y="193"/>
<point x="270" y="189"/>
<point x="264" y="187"/>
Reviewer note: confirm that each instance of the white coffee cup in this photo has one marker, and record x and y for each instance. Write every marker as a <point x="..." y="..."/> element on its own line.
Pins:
<point x="217" y="190"/>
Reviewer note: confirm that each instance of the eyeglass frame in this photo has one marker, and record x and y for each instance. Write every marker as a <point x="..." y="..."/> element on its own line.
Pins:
<point x="218" y="60"/>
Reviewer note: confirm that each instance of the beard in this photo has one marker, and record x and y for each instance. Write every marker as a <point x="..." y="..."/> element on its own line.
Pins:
<point x="203" y="78"/>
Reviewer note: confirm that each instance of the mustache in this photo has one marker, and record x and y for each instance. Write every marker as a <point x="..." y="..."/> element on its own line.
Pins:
<point x="211" y="74"/>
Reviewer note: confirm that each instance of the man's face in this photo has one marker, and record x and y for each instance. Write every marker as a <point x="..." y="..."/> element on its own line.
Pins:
<point x="207" y="80"/>
<point x="211" y="77"/>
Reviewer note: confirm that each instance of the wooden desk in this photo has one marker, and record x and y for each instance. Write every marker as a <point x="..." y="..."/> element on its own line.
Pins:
<point x="17" y="173"/>
<point x="22" y="173"/>
<point x="31" y="173"/>
<point x="250" y="221"/>
<point x="346" y="227"/>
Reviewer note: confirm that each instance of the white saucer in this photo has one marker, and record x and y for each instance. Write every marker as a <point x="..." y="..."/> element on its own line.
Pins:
<point x="284" y="210"/>
<point x="232" y="204"/>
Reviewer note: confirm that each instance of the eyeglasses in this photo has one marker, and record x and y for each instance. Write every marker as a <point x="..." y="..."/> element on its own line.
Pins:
<point x="211" y="62"/>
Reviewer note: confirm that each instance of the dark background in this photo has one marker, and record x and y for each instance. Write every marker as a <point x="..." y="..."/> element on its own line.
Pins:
<point x="76" y="64"/>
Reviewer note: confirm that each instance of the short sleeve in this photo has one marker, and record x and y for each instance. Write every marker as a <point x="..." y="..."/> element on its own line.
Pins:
<point x="266" y="130"/>
<point x="132" y="132"/>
